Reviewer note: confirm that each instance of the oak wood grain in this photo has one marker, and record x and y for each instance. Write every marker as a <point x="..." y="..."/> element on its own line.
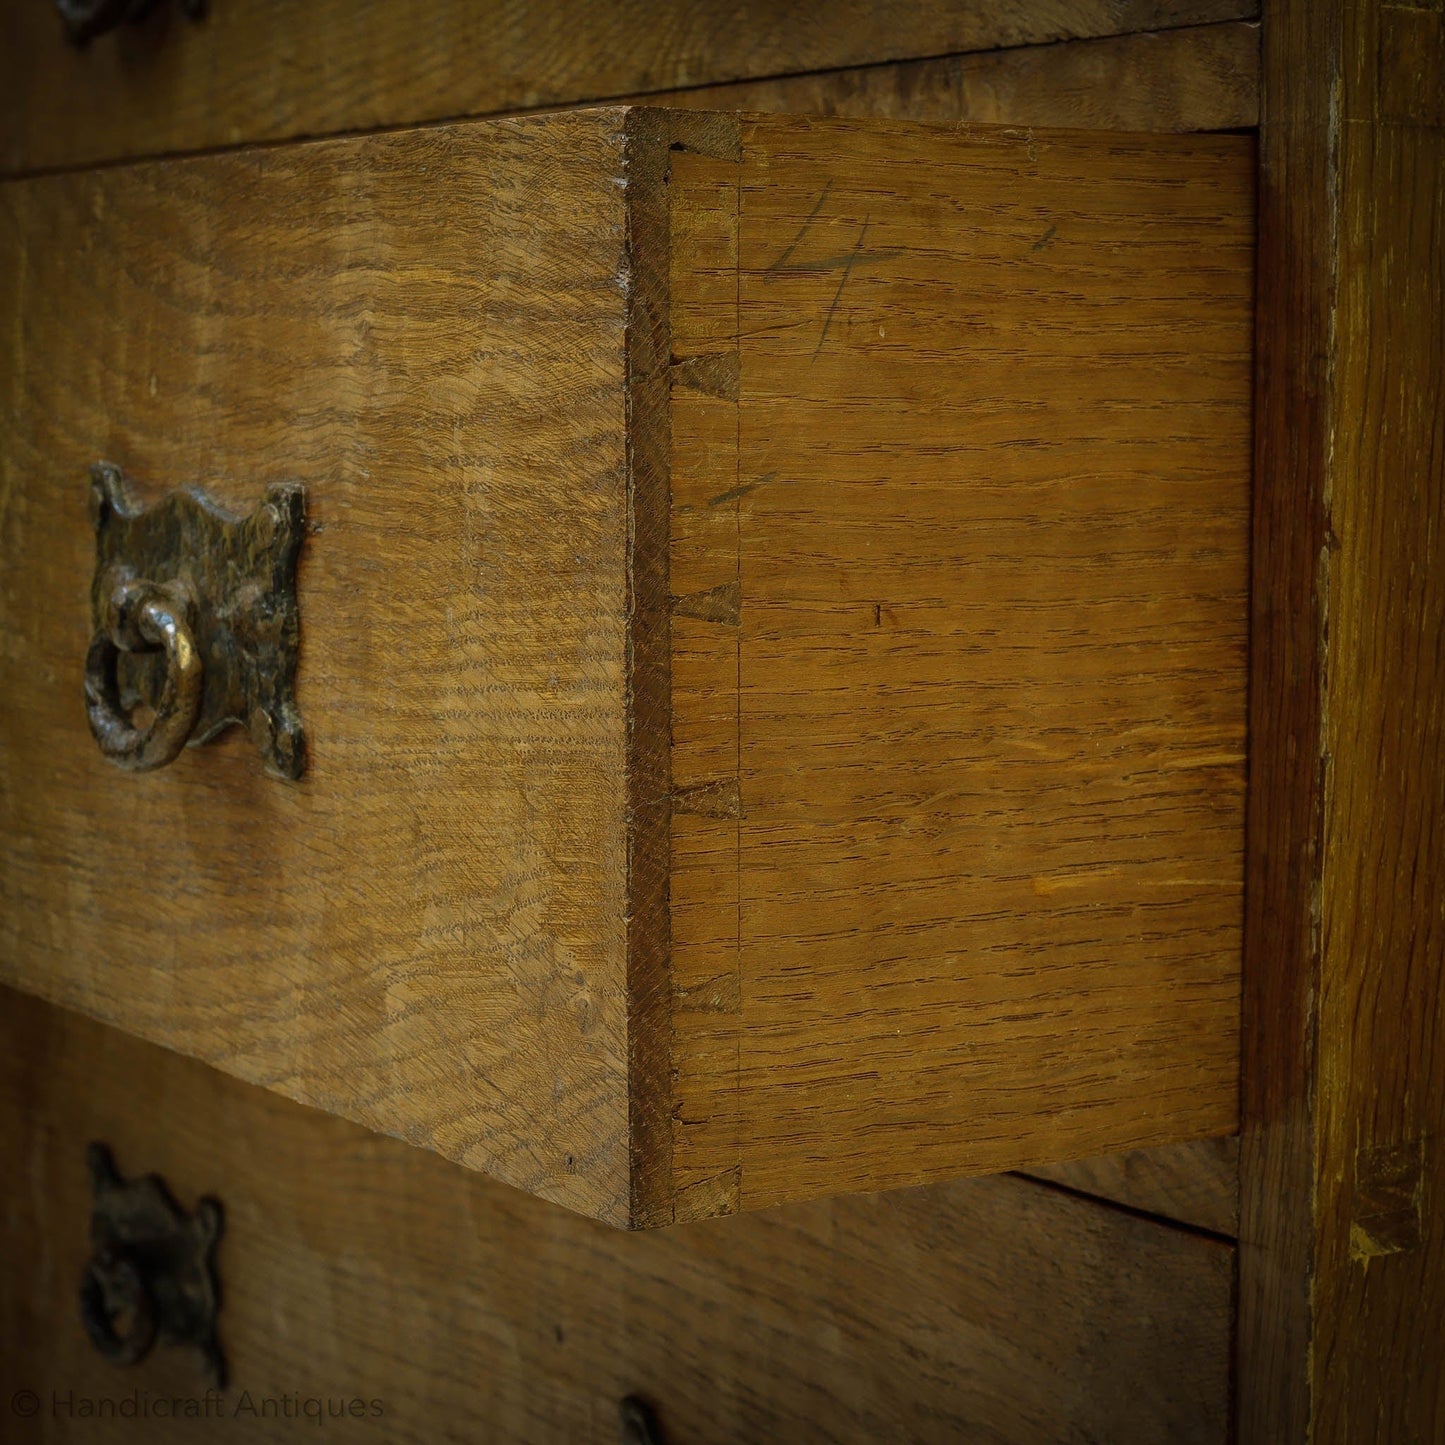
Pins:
<point x="353" y="1267"/>
<point x="956" y="878"/>
<point x="1196" y="1183"/>
<point x="1198" y="77"/>
<point x="268" y="69"/>
<point x="428" y="933"/>
<point x="773" y="649"/>
<point x="1343" y="1178"/>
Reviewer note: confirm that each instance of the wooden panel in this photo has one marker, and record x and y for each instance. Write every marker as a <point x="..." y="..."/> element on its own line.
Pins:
<point x="428" y="932"/>
<point x="870" y="814"/>
<point x="1201" y="77"/>
<point x="1195" y="1183"/>
<point x="1342" y="1321"/>
<point x="269" y="69"/>
<point x="706" y="887"/>
<point x="353" y="1267"/>
<point x="970" y="897"/>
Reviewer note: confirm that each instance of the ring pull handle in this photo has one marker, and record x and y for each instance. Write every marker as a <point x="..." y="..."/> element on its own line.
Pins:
<point x="113" y="1290"/>
<point x="142" y="617"/>
<point x="184" y="581"/>
<point x="86" y="19"/>
<point x="637" y="1425"/>
<point x="151" y="1275"/>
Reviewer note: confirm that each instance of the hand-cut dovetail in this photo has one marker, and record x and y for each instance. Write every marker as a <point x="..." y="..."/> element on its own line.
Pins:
<point x="714" y="373"/>
<point x="721" y="798"/>
<point x="721" y="994"/>
<point x="705" y="133"/>
<point x="719" y="1194"/>
<point x="723" y="603"/>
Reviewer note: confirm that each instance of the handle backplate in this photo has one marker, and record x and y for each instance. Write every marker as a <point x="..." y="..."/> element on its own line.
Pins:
<point x="151" y="1274"/>
<point x="195" y="623"/>
<point x="87" y="19"/>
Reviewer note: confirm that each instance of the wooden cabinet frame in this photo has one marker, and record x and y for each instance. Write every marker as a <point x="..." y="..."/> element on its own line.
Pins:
<point x="1341" y="1314"/>
<point x="1342" y="1232"/>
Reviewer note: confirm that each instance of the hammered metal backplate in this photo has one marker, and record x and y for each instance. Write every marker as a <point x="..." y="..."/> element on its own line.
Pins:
<point x="151" y="1275"/>
<point x="234" y="579"/>
<point x="87" y="19"/>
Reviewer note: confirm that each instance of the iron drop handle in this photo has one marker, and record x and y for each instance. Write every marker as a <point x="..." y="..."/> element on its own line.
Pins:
<point x="86" y="19"/>
<point x="194" y="618"/>
<point x="151" y="1275"/>
<point x="143" y="617"/>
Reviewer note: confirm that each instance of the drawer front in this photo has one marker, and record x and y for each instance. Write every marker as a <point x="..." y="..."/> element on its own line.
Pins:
<point x="253" y="70"/>
<point x="427" y="931"/>
<point x="772" y="640"/>
<point x="354" y="1269"/>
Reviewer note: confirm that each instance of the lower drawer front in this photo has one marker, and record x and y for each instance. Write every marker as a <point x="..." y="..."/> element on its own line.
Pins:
<point x="355" y="1269"/>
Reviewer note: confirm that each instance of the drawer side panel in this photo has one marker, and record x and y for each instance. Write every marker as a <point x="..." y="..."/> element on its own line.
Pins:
<point x="968" y="893"/>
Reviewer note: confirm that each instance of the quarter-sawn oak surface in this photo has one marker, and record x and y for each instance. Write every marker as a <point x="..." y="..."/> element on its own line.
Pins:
<point x="773" y="641"/>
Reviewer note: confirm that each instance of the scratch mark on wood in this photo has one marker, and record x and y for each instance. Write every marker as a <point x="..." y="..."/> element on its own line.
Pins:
<point x="741" y="490"/>
<point x="845" y="259"/>
<point x="781" y="264"/>
<point x="1045" y="238"/>
<point x="842" y="282"/>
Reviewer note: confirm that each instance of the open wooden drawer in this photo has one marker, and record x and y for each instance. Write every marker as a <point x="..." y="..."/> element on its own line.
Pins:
<point x="772" y="639"/>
